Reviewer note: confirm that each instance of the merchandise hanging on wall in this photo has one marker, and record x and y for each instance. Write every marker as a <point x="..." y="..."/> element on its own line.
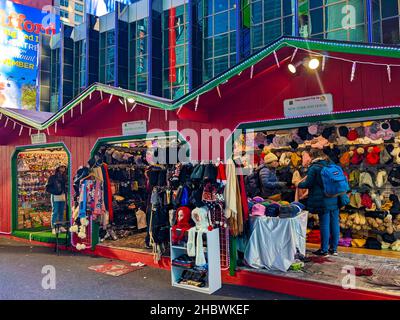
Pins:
<point x="33" y="171"/>
<point x="367" y="152"/>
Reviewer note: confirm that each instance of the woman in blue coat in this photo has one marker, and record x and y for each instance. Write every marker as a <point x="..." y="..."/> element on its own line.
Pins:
<point x="269" y="182"/>
<point x="326" y="208"/>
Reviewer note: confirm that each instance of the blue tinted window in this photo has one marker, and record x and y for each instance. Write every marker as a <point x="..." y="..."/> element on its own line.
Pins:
<point x="221" y="22"/>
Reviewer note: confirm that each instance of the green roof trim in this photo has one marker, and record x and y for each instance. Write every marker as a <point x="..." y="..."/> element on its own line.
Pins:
<point x="165" y="104"/>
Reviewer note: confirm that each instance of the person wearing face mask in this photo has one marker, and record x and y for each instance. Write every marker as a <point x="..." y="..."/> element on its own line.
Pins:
<point x="270" y="185"/>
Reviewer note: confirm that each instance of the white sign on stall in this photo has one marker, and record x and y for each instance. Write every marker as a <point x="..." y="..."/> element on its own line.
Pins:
<point x="308" y="105"/>
<point x="38" y="138"/>
<point x="134" y="128"/>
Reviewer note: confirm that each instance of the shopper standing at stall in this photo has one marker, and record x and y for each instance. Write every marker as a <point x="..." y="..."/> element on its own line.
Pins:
<point x="270" y="185"/>
<point x="318" y="202"/>
<point x="57" y="187"/>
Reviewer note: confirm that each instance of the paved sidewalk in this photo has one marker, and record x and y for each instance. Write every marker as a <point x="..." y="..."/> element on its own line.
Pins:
<point x="21" y="278"/>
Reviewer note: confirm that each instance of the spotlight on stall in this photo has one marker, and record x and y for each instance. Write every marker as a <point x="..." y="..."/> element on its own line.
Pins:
<point x="131" y="100"/>
<point x="313" y="63"/>
<point x="293" y="67"/>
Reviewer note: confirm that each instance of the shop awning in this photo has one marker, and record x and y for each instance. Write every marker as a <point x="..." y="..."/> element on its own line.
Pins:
<point x="100" y="94"/>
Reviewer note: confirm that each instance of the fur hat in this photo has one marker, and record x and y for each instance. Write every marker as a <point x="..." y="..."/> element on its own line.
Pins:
<point x="270" y="157"/>
<point x="372" y="157"/>
<point x="327" y="132"/>
<point x="360" y="132"/>
<point x="269" y="138"/>
<point x="394" y="125"/>
<point x="355" y="200"/>
<point x="366" y="180"/>
<point x="396" y="155"/>
<point x="374" y="128"/>
<point x="303" y="133"/>
<point x="313" y="129"/>
<point x="319" y="143"/>
<point x="354" y="178"/>
<point x="381" y="178"/>
<point x="343" y="131"/>
<point x="284" y="160"/>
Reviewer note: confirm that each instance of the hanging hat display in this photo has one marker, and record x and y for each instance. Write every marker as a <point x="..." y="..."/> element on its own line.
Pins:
<point x="303" y="133"/>
<point x="360" y="132"/>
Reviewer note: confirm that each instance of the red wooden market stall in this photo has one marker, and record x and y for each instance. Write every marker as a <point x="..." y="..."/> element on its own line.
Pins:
<point x="363" y="81"/>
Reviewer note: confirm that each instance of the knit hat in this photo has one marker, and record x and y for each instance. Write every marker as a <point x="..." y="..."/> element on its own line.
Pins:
<point x="343" y="131"/>
<point x="372" y="157"/>
<point x="258" y="210"/>
<point x="295" y="159"/>
<point x="394" y="125"/>
<point x="355" y="200"/>
<point x="270" y="157"/>
<point x="366" y="180"/>
<point x="357" y="155"/>
<point x="381" y="178"/>
<point x="352" y="135"/>
<point x="306" y="159"/>
<point x="345" y="159"/>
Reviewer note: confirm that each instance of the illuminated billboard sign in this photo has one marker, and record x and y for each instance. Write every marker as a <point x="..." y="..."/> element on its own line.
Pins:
<point x="102" y="7"/>
<point x="20" y="30"/>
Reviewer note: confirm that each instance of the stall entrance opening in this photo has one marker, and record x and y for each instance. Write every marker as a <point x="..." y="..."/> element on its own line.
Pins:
<point x="136" y="166"/>
<point x="32" y="206"/>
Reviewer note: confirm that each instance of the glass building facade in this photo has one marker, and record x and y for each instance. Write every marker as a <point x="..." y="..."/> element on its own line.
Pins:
<point x="218" y="19"/>
<point x="385" y="18"/>
<point x="271" y="19"/>
<point x="168" y="47"/>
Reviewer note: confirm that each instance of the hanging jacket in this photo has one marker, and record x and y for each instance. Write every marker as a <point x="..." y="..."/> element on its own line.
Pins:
<point x="317" y="201"/>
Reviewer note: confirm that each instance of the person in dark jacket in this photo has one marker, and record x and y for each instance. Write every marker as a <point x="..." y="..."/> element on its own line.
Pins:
<point x="57" y="187"/>
<point x="326" y="208"/>
<point x="269" y="182"/>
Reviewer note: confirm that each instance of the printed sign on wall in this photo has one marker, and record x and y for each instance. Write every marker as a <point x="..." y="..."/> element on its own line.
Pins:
<point x="308" y="105"/>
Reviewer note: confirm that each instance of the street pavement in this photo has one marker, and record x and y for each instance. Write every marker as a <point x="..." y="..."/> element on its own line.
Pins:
<point x="21" y="278"/>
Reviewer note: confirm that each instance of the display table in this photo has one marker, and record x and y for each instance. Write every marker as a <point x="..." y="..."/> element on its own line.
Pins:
<point x="274" y="242"/>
